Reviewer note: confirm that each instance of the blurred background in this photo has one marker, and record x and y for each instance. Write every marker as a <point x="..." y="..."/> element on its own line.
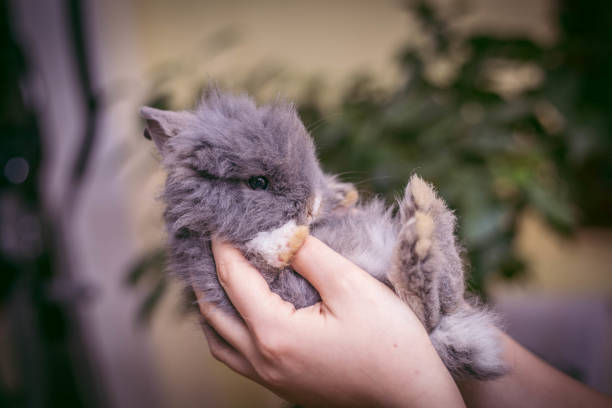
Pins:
<point x="505" y="105"/>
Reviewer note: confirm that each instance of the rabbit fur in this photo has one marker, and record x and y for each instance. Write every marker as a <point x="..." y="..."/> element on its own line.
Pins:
<point x="219" y="156"/>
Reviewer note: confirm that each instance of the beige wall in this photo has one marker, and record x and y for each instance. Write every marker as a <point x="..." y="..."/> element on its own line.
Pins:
<point x="576" y="266"/>
<point x="332" y="38"/>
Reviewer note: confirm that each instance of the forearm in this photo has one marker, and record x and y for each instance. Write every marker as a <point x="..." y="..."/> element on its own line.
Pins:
<point x="530" y="383"/>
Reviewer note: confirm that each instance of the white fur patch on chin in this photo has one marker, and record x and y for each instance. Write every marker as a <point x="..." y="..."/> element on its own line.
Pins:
<point x="278" y="246"/>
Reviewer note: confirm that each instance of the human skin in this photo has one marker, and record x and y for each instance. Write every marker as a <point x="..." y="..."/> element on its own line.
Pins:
<point x="360" y="346"/>
<point x="530" y="382"/>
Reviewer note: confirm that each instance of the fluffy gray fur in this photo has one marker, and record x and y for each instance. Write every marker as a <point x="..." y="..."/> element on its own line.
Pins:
<point x="210" y="153"/>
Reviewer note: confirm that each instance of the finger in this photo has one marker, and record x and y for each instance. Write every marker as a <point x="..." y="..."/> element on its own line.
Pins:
<point x="224" y="352"/>
<point x="230" y="328"/>
<point x="331" y="274"/>
<point x="247" y="289"/>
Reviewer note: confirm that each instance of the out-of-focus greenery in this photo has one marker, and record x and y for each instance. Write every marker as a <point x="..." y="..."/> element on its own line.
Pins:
<point x="498" y="124"/>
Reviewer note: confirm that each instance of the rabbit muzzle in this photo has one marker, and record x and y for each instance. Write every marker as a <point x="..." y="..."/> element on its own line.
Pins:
<point x="278" y="246"/>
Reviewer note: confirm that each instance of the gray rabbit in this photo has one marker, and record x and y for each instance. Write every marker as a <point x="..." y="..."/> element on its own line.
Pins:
<point x="249" y="175"/>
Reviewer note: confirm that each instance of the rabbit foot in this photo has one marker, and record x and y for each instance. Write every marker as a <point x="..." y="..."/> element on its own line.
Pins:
<point x="427" y="272"/>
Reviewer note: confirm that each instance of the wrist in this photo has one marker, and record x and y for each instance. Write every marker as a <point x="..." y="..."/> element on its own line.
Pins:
<point x="416" y="377"/>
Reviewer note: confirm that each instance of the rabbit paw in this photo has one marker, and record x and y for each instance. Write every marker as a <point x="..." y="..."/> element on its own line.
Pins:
<point x="341" y="195"/>
<point x="427" y="271"/>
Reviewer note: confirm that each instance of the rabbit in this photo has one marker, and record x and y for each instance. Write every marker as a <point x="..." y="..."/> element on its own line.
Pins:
<point x="249" y="175"/>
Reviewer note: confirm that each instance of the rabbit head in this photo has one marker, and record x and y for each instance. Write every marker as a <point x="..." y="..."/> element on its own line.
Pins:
<point x="243" y="173"/>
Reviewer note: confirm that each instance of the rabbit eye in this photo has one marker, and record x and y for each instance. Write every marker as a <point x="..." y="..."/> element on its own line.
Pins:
<point x="258" y="183"/>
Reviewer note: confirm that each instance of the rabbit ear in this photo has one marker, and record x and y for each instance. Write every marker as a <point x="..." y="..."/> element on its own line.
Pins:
<point x="162" y="125"/>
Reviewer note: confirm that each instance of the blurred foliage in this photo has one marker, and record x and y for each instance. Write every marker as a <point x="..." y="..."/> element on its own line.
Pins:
<point x="149" y="271"/>
<point x="498" y="124"/>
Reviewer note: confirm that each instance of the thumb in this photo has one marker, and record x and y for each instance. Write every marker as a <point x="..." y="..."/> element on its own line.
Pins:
<point x="332" y="275"/>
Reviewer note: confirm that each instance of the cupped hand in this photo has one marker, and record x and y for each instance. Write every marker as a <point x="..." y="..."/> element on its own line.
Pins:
<point x="359" y="346"/>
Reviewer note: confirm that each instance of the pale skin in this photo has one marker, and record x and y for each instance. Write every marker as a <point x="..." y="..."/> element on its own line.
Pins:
<point x="359" y="346"/>
<point x="530" y="383"/>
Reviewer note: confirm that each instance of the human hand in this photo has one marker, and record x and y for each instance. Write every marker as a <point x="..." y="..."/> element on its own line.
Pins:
<point x="359" y="346"/>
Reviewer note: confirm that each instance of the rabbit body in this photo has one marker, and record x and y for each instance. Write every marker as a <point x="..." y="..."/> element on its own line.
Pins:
<point x="249" y="175"/>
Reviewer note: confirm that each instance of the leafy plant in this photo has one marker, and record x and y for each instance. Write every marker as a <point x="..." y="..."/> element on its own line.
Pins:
<point x="497" y="124"/>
